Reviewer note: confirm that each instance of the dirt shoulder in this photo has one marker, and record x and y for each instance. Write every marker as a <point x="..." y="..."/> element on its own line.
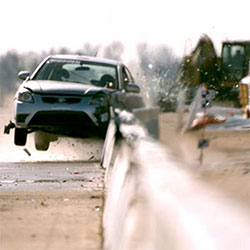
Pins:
<point x="55" y="220"/>
<point x="226" y="162"/>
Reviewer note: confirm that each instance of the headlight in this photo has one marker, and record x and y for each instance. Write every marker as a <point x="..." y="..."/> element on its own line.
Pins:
<point x="100" y="99"/>
<point x="25" y="97"/>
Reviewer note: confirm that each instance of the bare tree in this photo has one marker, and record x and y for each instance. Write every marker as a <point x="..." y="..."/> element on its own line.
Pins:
<point x="9" y="65"/>
<point x="114" y="50"/>
<point x="158" y="72"/>
<point x="89" y="49"/>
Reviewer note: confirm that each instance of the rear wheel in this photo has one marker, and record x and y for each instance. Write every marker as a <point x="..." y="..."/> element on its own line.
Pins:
<point x="42" y="141"/>
<point x="248" y="114"/>
<point x="20" y="136"/>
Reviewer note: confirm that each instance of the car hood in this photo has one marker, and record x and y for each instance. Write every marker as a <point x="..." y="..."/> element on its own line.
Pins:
<point x="57" y="87"/>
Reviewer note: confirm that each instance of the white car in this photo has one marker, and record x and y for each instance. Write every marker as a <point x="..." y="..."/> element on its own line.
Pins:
<point x="69" y="96"/>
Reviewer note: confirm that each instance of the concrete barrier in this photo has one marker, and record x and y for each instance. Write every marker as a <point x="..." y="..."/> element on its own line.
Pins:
<point x="148" y="116"/>
<point x="153" y="203"/>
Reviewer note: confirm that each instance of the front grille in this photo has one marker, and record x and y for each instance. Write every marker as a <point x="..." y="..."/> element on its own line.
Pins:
<point x="61" y="119"/>
<point x="69" y="100"/>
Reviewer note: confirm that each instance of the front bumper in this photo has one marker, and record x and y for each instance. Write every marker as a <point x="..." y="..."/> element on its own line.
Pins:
<point x="73" y="119"/>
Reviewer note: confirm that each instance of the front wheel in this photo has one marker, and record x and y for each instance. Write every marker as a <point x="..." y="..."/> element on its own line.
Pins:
<point x="20" y="136"/>
<point x="41" y="141"/>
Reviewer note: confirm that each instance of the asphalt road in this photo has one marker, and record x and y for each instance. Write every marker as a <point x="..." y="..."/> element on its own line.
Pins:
<point x="36" y="176"/>
<point x="53" y="199"/>
<point x="51" y="205"/>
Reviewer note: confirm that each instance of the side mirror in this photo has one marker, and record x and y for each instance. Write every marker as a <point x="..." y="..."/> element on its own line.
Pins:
<point x="23" y="75"/>
<point x="132" y="88"/>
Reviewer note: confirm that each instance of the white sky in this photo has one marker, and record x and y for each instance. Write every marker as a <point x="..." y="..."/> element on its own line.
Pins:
<point x="42" y="24"/>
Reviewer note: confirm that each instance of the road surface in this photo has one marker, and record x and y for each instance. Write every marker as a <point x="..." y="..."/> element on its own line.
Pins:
<point x="54" y="200"/>
<point x="50" y="205"/>
<point x="39" y="176"/>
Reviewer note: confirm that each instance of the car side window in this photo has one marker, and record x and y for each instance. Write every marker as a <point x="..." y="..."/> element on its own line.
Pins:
<point x="126" y="76"/>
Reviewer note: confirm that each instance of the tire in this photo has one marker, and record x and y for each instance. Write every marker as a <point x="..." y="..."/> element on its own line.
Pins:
<point x="20" y="136"/>
<point x="41" y="141"/>
<point x="248" y="114"/>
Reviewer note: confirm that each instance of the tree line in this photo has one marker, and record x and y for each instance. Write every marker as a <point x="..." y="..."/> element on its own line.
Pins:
<point x="155" y="67"/>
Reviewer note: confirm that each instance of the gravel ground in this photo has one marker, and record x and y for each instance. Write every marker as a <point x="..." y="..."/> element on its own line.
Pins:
<point x="225" y="162"/>
<point x="55" y="220"/>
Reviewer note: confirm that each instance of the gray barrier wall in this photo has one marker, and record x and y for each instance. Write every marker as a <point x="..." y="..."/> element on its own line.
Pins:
<point x="153" y="203"/>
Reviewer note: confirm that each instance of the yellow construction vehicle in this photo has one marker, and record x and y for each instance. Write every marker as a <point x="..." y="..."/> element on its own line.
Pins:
<point x="222" y="73"/>
<point x="244" y="92"/>
<point x="235" y="58"/>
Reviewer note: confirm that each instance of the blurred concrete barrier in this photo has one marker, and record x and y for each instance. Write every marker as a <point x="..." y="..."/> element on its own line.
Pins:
<point x="108" y="146"/>
<point x="149" y="118"/>
<point x="153" y="203"/>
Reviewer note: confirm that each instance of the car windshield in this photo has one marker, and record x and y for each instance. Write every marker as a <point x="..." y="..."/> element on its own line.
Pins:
<point x="76" y="71"/>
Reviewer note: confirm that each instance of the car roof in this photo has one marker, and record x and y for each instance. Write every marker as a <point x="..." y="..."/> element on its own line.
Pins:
<point x="86" y="59"/>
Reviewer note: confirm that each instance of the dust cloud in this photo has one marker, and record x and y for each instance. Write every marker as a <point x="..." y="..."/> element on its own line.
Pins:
<point x="64" y="149"/>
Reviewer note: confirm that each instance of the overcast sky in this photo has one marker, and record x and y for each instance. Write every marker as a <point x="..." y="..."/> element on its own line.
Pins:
<point x="42" y="24"/>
